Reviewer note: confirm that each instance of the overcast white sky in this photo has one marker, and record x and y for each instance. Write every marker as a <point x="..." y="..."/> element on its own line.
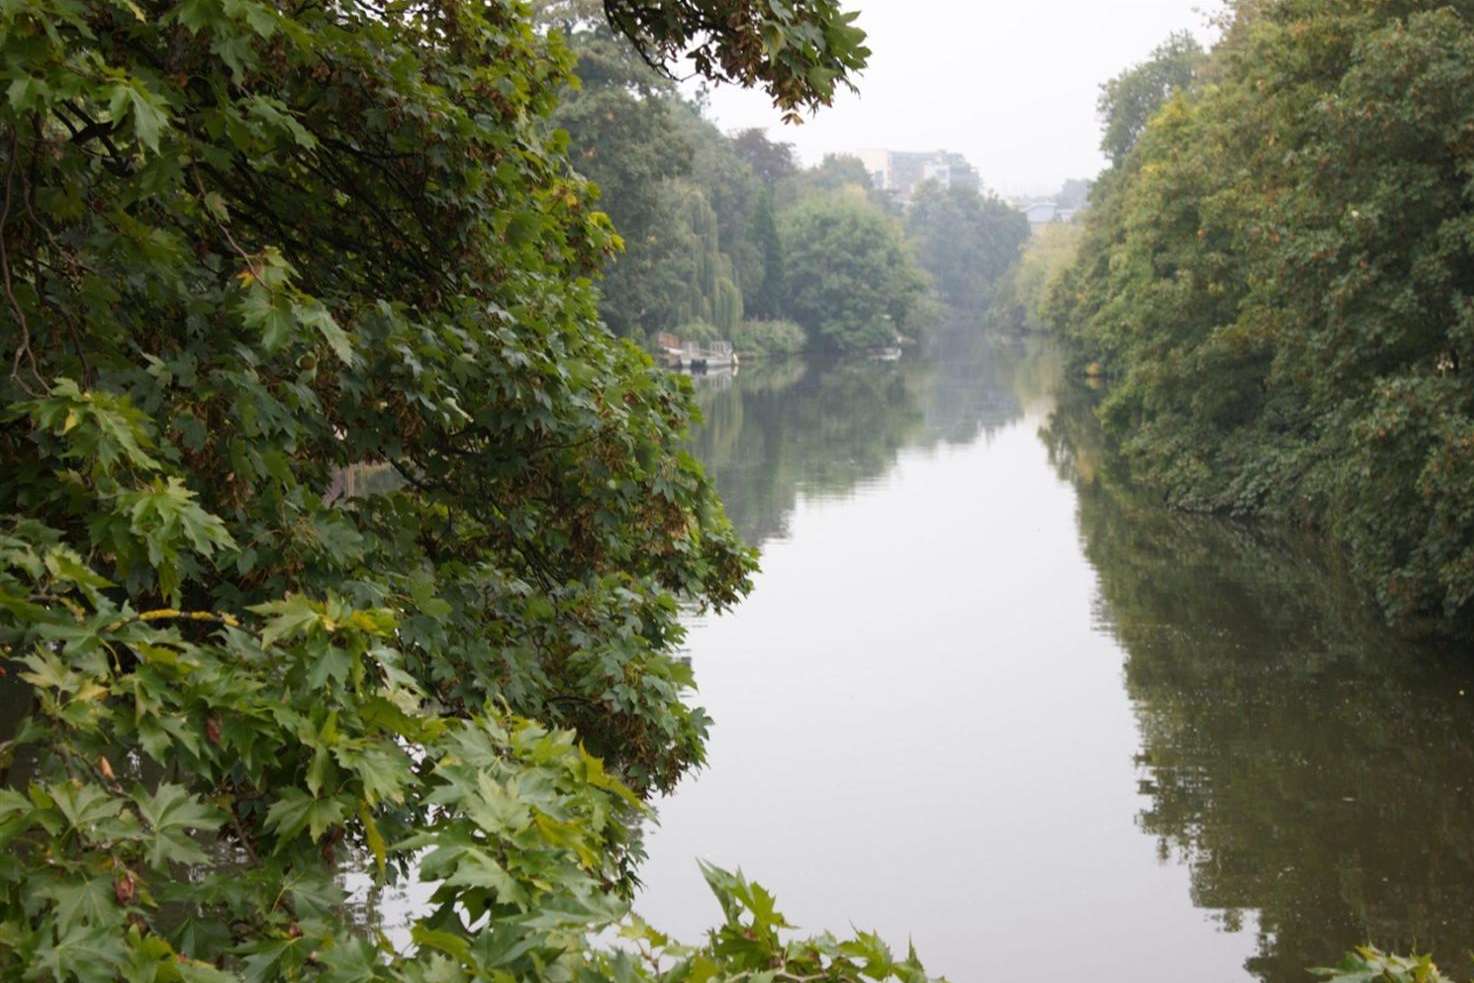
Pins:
<point x="1010" y="85"/>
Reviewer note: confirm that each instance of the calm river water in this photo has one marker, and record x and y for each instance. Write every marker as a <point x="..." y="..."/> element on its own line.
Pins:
<point x="981" y="699"/>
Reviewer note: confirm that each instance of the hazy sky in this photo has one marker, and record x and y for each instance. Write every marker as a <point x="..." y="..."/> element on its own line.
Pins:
<point x="1012" y="86"/>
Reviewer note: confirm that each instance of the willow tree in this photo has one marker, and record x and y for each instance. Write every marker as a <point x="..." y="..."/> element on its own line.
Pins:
<point x="247" y="248"/>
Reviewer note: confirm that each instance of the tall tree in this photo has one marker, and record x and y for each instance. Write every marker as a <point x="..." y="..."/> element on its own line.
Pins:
<point x="732" y="189"/>
<point x="965" y="240"/>
<point x="649" y="151"/>
<point x="620" y="120"/>
<point x="766" y="299"/>
<point x="1129" y="100"/>
<point x="769" y="160"/>
<point x="848" y="279"/>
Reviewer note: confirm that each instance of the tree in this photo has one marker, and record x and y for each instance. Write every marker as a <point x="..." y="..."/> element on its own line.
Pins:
<point x="965" y="240"/>
<point x="1129" y="100"/>
<point x="798" y="53"/>
<point x="766" y="299"/>
<point x="731" y="188"/>
<point x="848" y="279"/>
<point x="619" y="120"/>
<point x="770" y="161"/>
<point x="249" y="249"/>
<point x="652" y="155"/>
<point x="1288" y="331"/>
<point x="1042" y="266"/>
<point x="835" y="173"/>
<point x="707" y="293"/>
<point x="1074" y="193"/>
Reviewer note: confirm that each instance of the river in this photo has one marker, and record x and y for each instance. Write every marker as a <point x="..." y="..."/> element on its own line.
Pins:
<point x="982" y="698"/>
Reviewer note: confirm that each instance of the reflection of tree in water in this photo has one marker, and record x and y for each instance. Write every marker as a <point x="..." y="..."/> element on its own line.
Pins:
<point x="815" y="427"/>
<point x="1306" y="763"/>
<point x="823" y="427"/>
<point x="973" y="384"/>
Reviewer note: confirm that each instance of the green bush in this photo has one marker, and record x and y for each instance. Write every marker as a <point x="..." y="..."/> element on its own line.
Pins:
<point x="775" y="337"/>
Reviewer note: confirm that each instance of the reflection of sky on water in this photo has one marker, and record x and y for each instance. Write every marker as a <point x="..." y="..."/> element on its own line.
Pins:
<point x="923" y="724"/>
<point x="918" y="726"/>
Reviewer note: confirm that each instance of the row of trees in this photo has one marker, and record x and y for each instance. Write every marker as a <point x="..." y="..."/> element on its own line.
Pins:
<point x="246" y="247"/>
<point x="1278" y="273"/>
<point x="730" y="237"/>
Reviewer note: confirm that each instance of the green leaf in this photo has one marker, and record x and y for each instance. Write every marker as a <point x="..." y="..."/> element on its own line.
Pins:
<point x="266" y="311"/>
<point x="316" y="317"/>
<point x="28" y="94"/>
<point x="80" y="904"/>
<point x="173" y="814"/>
<point x="133" y="100"/>
<point x="86" y="954"/>
<point x="264" y="958"/>
<point x="295" y="811"/>
<point x="452" y="945"/>
<point x="477" y="868"/>
<point x="294" y="615"/>
<point x="373" y="837"/>
<point x="88" y="809"/>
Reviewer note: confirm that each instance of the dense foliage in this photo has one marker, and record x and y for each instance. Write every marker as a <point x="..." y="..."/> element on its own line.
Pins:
<point x="1021" y="297"/>
<point x="1128" y="101"/>
<point x="849" y="279"/>
<point x="1278" y="276"/>
<point x="966" y="240"/>
<point x="707" y="220"/>
<point x="248" y="250"/>
<point x="697" y="232"/>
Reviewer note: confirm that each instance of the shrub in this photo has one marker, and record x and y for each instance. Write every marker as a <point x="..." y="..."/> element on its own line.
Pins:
<point x="776" y="337"/>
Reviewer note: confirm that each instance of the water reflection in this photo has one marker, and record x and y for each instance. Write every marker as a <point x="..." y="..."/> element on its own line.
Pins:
<point x="1305" y="763"/>
<point x="984" y="697"/>
<point x="819" y="427"/>
<point x="823" y="428"/>
<point x="918" y="727"/>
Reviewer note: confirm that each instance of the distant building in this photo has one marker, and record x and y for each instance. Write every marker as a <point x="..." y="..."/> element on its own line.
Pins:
<point x="1042" y="212"/>
<point x="1045" y="212"/>
<point x="899" y="172"/>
